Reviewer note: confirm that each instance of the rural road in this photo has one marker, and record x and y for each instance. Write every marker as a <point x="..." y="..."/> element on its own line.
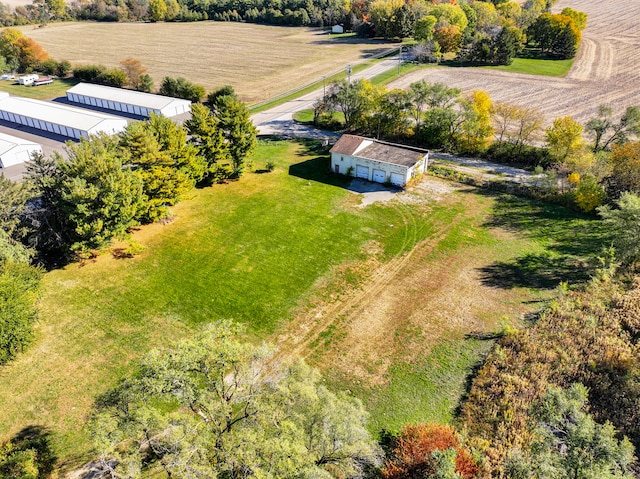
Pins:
<point x="279" y="120"/>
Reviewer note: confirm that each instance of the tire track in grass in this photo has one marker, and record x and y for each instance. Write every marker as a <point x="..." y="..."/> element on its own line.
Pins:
<point x="309" y="328"/>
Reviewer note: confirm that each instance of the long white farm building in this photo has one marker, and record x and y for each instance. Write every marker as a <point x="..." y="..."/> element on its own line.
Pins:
<point x="128" y="101"/>
<point x="14" y="150"/>
<point x="59" y="119"/>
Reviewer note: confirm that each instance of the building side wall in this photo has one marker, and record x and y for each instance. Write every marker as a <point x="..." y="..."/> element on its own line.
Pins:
<point x="347" y="162"/>
<point x="42" y="125"/>
<point x="175" y="108"/>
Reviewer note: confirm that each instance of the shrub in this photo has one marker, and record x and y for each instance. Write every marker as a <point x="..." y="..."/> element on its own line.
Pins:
<point x="19" y="285"/>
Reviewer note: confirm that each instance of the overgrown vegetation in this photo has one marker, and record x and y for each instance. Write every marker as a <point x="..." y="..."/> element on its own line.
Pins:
<point x="588" y="337"/>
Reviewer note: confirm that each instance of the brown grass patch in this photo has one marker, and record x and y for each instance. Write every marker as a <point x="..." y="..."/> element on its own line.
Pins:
<point x="258" y="61"/>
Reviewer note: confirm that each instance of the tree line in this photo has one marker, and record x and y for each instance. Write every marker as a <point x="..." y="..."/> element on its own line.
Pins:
<point x="483" y="32"/>
<point x="587" y="165"/>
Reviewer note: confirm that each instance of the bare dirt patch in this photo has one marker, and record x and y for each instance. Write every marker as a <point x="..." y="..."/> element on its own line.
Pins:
<point x="604" y="72"/>
<point x="258" y="61"/>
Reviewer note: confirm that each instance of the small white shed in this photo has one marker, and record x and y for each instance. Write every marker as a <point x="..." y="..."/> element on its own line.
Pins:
<point x="377" y="161"/>
<point x="15" y="151"/>
<point x="337" y="29"/>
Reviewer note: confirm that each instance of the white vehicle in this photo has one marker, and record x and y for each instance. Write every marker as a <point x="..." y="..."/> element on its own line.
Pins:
<point x="28" y="79"/>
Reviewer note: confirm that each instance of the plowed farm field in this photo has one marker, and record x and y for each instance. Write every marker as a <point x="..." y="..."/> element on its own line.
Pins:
<point x="258" y="61"/>
<point x="606" y="69"/>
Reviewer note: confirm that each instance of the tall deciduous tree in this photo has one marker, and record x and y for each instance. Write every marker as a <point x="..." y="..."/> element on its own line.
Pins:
<point x="210" y="408"/>
<point x="354" y="100"/>
<point x="516" y="125"/>
<point x="133" y="71"/>
<point x="476" y="129"/>
<point x="423" y="30"/>
<point x="564" y="138"/>
<point x="606" y="132"/>
<point x="181" y="88"/>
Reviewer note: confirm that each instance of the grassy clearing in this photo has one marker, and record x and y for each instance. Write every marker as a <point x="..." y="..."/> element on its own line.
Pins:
<point x="264" y="249"/>
<point x="535" y="66"/>
<point x="56" y="89"/>
<point x="259" y="61"/>
<point x="250" y="251"/>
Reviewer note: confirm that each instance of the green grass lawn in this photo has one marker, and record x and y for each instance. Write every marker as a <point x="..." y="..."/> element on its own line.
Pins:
<point x="56" y="89"/>
<point x="256" y="251"/>
<point x="250" y="251"/>
<point x="535" y="66"/>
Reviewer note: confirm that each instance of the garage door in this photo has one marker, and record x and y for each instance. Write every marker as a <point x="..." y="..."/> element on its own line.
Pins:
<point x="397" y="179"/>
<point x="362" y="172"/>
<point x="379" y="176"/>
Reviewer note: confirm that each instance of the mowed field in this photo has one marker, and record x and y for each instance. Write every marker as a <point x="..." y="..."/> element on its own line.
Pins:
<point x="258" y="61"/>
<point x="395" y="302"/>
<point x="605" y="70"/>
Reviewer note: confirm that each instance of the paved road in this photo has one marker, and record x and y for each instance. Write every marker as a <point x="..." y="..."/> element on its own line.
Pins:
<point x="279" y="120"/>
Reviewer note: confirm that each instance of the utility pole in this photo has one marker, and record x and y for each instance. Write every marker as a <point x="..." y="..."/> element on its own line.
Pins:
<point x="324" y="87"/>
<point x="399" y="59"/>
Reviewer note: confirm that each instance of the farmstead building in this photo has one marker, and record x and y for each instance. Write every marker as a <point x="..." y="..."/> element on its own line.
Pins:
<point x="127" y="101"/>
<point x="15" y="151"/>
<point x="59" y="119"/>
<point x="377" y="161"/>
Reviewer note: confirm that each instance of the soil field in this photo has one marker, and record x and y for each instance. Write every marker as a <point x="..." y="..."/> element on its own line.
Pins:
<point x="605" y="70"/>
<point x="258" y="61"/>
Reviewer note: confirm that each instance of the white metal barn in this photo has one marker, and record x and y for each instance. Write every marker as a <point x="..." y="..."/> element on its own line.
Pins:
<point x="128" y="101"/>
<point x="15" y="151"/>
<point x="59" y="119"/>
<point x="377" y="161"/>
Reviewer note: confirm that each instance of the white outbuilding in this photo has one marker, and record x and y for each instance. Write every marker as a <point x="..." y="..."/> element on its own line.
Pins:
<point x="377" y="161"/>
<point x="127" y="101"/>
<point x="15" y="151"/>
<point x="59" y="119"/>
<point x="337" y="29"/>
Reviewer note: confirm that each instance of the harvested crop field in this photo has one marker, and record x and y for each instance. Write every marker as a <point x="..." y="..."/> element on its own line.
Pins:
<point x="258" y="61"/>
<point x="604" y="72"/>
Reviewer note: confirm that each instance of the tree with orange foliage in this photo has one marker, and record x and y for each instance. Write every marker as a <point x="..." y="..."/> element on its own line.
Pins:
<point x="30" y="54"/>
<point x="423" y="450"/>
<point x="449" y="38"/>
<point x="133" y="70"/>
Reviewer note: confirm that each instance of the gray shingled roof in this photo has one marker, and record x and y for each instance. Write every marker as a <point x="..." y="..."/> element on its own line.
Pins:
<point x="378" y="151"/>
<point x="347" y="144"/>
<point x="391" y="154"/>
